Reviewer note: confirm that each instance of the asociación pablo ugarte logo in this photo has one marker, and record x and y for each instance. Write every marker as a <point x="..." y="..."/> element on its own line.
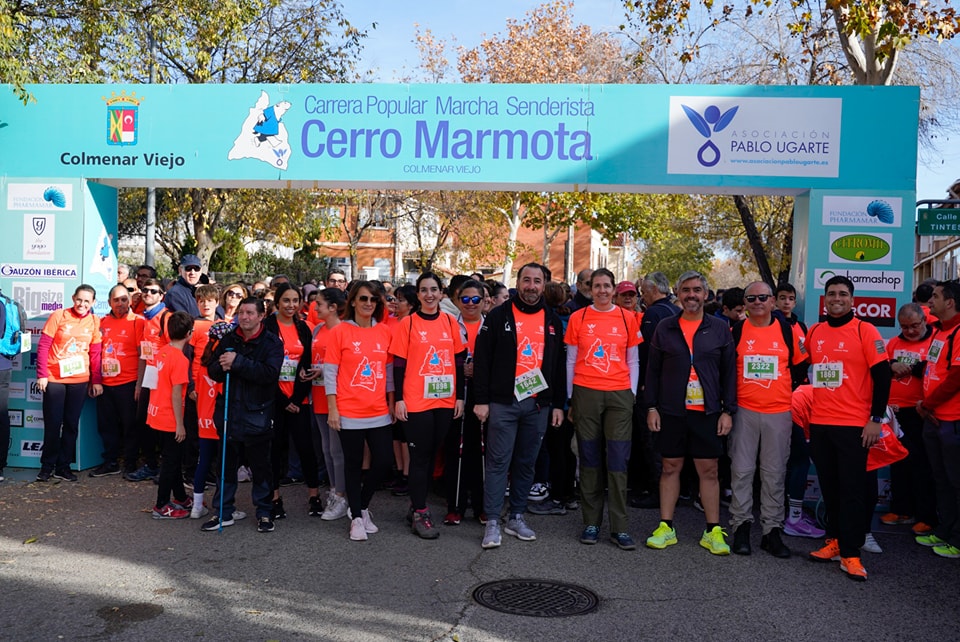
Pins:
<point x="711" y="122"/>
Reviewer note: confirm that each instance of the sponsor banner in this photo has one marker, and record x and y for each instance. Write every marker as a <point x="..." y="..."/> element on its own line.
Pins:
<point x="880" y="311"/>
<point x="863" y="211"/>
<point x="31" y="448"/>
<point x="16" y="418"/>
<point x="863" y="280"/>
<point x="38" y="299"/>
<point x="33" y="418"/>
<point x="18" y="390"/>
<point x="16" y="363"/>
<point x="40" y="197"/>
<point x="38" y="237"/>
<point x="754" y="136"/>
<point x="846" y="247"/>
<point x="33" y="391"/>
<point x="38" y="271"/>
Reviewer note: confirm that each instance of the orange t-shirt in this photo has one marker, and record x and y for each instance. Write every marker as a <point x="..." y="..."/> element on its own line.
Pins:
<point x="936" y="371"/>
<point x="206" y="388"/>
<point x="689" y="329"/>
<point x="120" y="351"/>
<point x="845" y="356"/>
<point x="361" y="357"/>
<point x="602" y="339"/>
<point x="153" y="338"/>
<point x="173" y="369"/>
<point x="529" y="340"/>
<point x="473" y="329"/>
<point x="69" y="359"/>
<point x="429" y="347"/>
<point x="763" y="374"/>
<point x="906" y="392"/>
<point x="319" y="348"/>
<point x="801" y="406"/>
<point x="292" y="351"/>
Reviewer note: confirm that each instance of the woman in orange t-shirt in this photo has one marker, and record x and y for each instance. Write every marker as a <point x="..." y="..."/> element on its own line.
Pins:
<point x="293" y="416"/>
<point x="68" y="369"/>
<point x="602" y="375"/>
<point x="429" y="351"/>
<point x="358" y="377"/>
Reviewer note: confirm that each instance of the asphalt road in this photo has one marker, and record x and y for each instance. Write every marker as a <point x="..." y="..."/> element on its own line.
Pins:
<point x="85" y="561"/>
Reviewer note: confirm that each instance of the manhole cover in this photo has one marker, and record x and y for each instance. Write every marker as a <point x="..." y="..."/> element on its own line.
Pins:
<point x="536" y="598"/>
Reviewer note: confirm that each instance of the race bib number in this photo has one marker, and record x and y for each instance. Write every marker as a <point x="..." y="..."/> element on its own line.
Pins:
<point x="319" y="380"/>
<point x="694" y="391"/>
<point x="146" y="350"/>
<point x="760" y="367"/>
<point x="73" y="366"/>
<point x="438" y="387"/>
<point x="288" y="370"/>
<point x="907" y="357"/>
<point x="110" y="367"/>
<point x="150" y="377"/>
<point x="827" y="375"/>
<point x="529" y="384"/>
<point x="933" y="354"/>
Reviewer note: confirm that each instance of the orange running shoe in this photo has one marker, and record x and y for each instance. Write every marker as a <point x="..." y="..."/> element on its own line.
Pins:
<point x="829" y="553"/>
<point x="921" y="528"/>
<point x="853" y="568"/>
<point x="892" y="518"/>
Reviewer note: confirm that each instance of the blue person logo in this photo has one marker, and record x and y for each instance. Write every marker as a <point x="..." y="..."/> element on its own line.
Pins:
<point x="711" y="122"/>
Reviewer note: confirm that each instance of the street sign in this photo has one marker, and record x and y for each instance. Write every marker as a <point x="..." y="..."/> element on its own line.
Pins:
<point x="938" y="221"/>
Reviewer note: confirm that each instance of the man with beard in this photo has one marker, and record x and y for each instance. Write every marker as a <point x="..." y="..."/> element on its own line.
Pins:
<point x="691" y="397"/>
<point x="519" y="380"/>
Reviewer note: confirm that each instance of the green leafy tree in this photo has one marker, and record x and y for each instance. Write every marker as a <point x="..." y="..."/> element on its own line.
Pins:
<point x="231" y="255"/>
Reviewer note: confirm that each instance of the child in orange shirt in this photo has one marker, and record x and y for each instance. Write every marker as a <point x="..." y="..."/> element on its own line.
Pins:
<point x="165" y="415"/>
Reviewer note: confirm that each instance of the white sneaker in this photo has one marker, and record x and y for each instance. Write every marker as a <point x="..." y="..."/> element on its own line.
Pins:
<point x="357" y="532"/>
<point x="198" y="510"/>
<point x="336" y="508"/>
<point x="244" y="474"/>
<point x="870" y="544"/>
<point x="368" y="524"/>
<point x="238" y="515"/>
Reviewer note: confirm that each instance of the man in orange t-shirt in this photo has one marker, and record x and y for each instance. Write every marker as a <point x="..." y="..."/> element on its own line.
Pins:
<point x="762" y="426"/>
<point x="851" y="384"/>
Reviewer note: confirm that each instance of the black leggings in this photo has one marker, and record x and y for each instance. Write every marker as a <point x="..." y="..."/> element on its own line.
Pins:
<point x="425" y="432"/>
<point x="468" y="464"/>
<point x="299" y="426"/>
<point x="360" y="487"/>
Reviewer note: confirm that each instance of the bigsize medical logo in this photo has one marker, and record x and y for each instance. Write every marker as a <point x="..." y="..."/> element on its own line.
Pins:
<point x="880" y="311"/>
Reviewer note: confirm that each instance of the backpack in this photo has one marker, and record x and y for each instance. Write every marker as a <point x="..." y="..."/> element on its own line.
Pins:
<point x="15" y="320"/>
<point x="785" y="328"/>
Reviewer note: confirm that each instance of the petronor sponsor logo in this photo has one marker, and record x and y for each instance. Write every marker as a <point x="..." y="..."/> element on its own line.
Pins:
<point x="871" y="280"/>
<point x="860" y="248"/>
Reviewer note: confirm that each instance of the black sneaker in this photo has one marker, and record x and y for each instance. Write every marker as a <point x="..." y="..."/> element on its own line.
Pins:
<point x="213" y="524"/>
<point x="316" y="507"/>
<point x="265" y="525"/>
<point x="277" y="511"/>
<point x="105" y="469"/>
<point x="65" y="475"/>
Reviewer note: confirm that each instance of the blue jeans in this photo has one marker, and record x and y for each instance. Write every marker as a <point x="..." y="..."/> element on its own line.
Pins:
<point x="257" y="451"/>
<point x="514" y="433"/>
<point x="943" y="449"/>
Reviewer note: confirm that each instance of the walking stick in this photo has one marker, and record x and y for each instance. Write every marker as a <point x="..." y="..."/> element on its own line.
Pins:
<point x="223" y="455"/>
<point x="463" y="423"/>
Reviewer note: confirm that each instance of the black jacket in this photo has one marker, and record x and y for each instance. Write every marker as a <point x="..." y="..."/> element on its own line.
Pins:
<point x="301" y="388"/>
<point x="495" y="356"/>
<point x="714" y="360"/>
<point x="658" y="311"/>
<point x="252" y="385"/>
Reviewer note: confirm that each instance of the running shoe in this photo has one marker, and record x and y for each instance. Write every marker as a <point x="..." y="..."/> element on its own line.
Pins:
<point x="853" y="568"/>
<point x="423" y="525"/>
<point x="169" y="511"/>
<point x="244" y="474"/>
<point x="948" y="551"/>
<point x="482" y="518"/>
<point x="930" y="540"/>
<point x="891" y="519"/>
<point x="44" y="475"/>
<point x="623" y="541"/>
<point x="105" y="469"/>
<point x="491" y="535"/>
<point x="336" y="508"/>
<point x="213" y="524"/>
<point x="316" y="507"/>
<point x="265" y="525"/>
<point x="452" y="519"/>
<point x="713" y="541"/>
<point x="870" y="544"/>
<point x="547" y="507"/>
<point x="368" y="524"/>
<point x="143" y="473"/>
<point x="803" y="527"/>
<point x="538" y="492"/>
<point x="922" y="528"/>
<point x="65" y="474"/>
<point x="276" y="510"/>
<point x="517" y="527"/>
<point x="357" y="532"/>
<point x="662" y="537"/>
<point x="590" y="535"/>
<point x="830" y="552"/>
<point x="198" y="511"/>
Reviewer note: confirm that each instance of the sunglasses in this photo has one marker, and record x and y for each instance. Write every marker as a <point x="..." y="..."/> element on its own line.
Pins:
<point x="151" y="291"/>
<point x="750" y="298"/>
<point x="391" y="299"/>
<point x="192" y="268"/>
<point x="232" y="294"/>
<point x="470" y="299"/>
<point x="131" y="290"/>
<point x="363" y="298"/>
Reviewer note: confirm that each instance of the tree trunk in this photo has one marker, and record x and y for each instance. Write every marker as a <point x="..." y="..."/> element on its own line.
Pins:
<point x="784" y="276"/>
<point x="514" y="220"/>
<point x="753" y="236"/>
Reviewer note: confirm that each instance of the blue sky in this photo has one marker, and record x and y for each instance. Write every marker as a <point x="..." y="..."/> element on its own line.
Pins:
<point x="390" y="53"/>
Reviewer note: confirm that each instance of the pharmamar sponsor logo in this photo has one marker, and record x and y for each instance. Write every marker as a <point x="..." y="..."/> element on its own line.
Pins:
<point x="862" y="211"/>
<point x="868" y="280"/>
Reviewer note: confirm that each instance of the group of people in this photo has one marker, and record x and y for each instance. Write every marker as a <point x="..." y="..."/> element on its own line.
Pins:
<point x="661" y="394"/>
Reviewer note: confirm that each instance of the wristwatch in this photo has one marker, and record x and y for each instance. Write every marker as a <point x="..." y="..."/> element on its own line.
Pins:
<point x="877" y="419"/>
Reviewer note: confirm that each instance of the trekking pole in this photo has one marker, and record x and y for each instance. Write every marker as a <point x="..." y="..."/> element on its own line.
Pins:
<point x="463" y="422"/>
<point x="223" y="454"/>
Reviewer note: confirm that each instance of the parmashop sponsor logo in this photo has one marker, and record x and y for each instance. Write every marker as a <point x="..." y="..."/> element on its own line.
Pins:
<point x="863" y="280"/>
<point x="880" y="311"/>
<point x="30" y="448"/>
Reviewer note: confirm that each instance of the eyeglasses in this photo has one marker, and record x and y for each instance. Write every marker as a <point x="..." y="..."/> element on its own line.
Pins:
<point x="470" y="299"/>
<point x="233" y="294"/>
<point x="363" y="298"/>
<point x="750" y="298"/>
<point x="336" y="280"/>
<point x="151" y="290"/>
<point x="131" y="290"/>
<point x="391" y="299"/>
<point x="192" y="268"/>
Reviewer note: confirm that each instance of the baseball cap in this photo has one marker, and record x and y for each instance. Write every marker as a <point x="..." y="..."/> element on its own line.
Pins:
<point x="626" y="286"/>
<point x="190" y="259"/>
